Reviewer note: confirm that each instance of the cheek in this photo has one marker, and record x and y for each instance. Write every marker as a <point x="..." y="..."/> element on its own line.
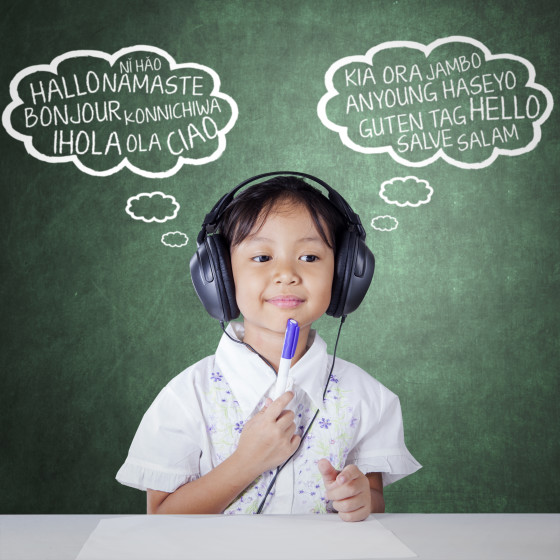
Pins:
<point x="244" y="291"/>
<point x="327" y="295"/>
<point x="324" y="286"/>
<point x="244" y="282"/>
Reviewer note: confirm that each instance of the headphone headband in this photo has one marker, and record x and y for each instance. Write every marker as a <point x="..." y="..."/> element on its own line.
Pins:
<point x="212" y="219"/>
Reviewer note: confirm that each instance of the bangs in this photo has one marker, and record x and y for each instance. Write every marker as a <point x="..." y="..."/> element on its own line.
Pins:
<point x="248" y="212"/>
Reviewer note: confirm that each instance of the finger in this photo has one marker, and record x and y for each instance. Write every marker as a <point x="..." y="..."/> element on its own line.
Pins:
<point x="277" y="406"/>
<point x="350" y="489"/>
<point x="350" y="504"/>
<point x="343" y="492"/>
<point x="287" y="412"/>
<point x="328" y="472"/>
<point x="266" y="404"/>
<point x="286" y="421"/>
<point x="349" y="473"/>
<point x="357" y="515"/>
<point x="294" y="442"/>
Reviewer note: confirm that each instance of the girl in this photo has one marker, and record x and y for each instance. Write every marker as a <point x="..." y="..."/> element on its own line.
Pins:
<point x="213" y="442"/>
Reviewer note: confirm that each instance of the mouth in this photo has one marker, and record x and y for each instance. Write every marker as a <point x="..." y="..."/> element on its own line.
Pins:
<point x="285" y="302"/>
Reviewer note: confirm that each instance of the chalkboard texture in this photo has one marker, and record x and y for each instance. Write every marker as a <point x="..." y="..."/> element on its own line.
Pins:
<point x="123" y="123"/>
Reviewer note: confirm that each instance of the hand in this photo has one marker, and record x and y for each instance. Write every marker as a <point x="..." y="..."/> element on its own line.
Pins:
<point x="348" y="489"/>
<point x="269" y="439"/>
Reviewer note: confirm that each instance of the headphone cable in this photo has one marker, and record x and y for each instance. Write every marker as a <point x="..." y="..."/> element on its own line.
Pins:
<point x="249" y="347"/>
<point x="280" y="467"/>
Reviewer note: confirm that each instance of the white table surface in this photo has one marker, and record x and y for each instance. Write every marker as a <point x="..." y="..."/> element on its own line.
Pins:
<point x="430" y="536"/>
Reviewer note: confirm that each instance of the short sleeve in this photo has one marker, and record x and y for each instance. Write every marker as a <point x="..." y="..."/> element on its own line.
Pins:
<point x="380" y="445"/>
<point x="164" y="453"/>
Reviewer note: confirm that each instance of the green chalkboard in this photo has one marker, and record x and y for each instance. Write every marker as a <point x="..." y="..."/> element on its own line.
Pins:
<point x="123" y="122"/>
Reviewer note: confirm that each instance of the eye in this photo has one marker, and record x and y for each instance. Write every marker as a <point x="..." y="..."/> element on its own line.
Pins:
<point x="309" y="258"/>
<point x="261" y="258"/>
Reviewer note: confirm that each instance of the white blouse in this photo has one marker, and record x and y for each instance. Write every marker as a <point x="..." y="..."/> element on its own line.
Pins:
<point x="196" y="420"/>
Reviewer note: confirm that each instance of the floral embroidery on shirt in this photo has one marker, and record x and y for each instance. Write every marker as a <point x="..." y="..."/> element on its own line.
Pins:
<point x="330" y="437"/>
<point x="224" y="426"/>
<point x="250" y="499"/>
<point x="223" y="419"/>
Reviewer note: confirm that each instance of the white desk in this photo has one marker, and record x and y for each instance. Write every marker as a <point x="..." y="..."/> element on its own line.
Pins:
<point x="430" y="536"/>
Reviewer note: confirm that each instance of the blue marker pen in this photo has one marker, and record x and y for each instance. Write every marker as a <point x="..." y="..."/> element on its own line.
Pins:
<point x="288" y="351"/>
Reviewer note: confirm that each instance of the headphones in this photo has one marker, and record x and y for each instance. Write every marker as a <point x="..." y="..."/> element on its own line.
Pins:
<point x="211" y="271"/>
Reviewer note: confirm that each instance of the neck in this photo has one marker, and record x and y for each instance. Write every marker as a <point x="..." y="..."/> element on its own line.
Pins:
<point x="269" y="344"/>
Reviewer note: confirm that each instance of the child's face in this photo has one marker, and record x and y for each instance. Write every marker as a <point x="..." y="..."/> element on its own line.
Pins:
<point x="284" y="270"/>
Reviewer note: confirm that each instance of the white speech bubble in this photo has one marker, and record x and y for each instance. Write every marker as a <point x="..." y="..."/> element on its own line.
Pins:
<point x="389" y="222"/>
<point x="398" y="189"/>
<point x="171" y="236"/>
<point x="438" y="140"/>
<point x="74" y="92"/>
<point x="157" y="195"/>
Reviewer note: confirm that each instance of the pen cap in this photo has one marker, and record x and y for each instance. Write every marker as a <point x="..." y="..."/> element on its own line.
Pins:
<point x="290" y="339"/>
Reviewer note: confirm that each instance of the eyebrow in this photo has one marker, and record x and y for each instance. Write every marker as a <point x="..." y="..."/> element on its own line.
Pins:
<point x="261" y="239"/>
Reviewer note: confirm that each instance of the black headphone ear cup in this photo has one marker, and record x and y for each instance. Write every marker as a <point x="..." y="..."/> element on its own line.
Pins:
<point x="342" y="268"/>
<point x="361" y="275"/>
<point x="354" y="267"/>
<point x="213" y="279"/>
<point x="221" y="257"/>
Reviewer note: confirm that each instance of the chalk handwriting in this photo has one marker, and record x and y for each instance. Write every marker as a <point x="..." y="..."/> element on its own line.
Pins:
<point x="451" y="99"/>
<point x="137" y="108"/>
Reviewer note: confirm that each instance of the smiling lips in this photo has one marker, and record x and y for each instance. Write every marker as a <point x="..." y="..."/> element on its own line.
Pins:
<point x="285" y="302"/>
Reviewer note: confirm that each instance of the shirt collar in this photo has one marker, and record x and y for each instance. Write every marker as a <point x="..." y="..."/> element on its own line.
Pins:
<point x="251" y="379"/>
<point x="310" y="372"/>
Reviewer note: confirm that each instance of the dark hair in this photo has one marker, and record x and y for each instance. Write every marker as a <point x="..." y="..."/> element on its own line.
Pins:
<point x="258" y="200"/>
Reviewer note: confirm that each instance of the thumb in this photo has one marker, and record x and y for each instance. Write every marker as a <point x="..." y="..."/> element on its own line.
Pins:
<point x="328" y="472"/>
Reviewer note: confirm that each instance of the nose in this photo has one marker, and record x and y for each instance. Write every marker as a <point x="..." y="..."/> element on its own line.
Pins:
<point x="285" y="272"/>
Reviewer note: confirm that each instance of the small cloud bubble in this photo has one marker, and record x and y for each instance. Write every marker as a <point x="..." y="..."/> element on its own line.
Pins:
<point x="384" y="223"/>
<point x="175" y="239"/>
<point x="152" y="207"/>
<point x="406" y="191"/>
